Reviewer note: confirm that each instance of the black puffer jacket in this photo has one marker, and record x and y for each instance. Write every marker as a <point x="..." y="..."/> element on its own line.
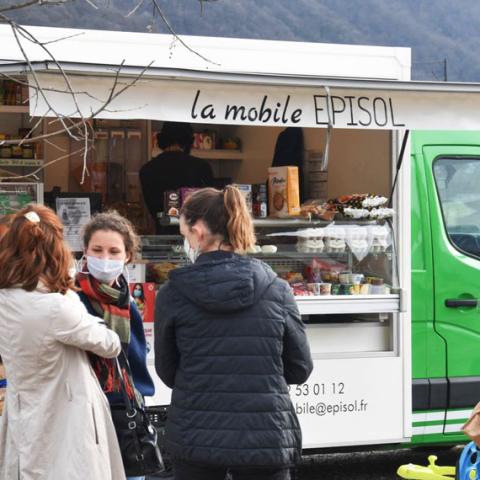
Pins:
<point x="228" y="340"/>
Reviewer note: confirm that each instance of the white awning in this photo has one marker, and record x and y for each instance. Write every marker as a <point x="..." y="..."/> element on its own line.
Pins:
<point x="238" y="99"/>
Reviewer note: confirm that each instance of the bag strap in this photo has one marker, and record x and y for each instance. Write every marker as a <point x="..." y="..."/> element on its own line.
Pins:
<point x="131" y="405"/>
<point x="132" y="408"/>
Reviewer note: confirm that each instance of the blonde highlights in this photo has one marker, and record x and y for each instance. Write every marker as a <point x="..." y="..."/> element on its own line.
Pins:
<point x="241" y="234"/>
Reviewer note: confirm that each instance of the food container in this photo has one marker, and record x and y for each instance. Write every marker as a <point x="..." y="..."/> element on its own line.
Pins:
<point x="27" y="150"/>
<point x="346" y="289"/>
<point x="259" y="200"/>
<point x="254" y="249"/>
<point x="377" y="289"/>
<point x="269" y="249"/>
<point x="345" y="277"/>
<point x="330" y="276"/>
<point x="355" y="289"/>
<point x="357" y="278"/>
<point x="380" y="239"/>
<point x="364" y="289"/>
<point x="334" y="238"/>
<point x="310" y="244"/>
<point x="377" y="286"/>
<point x="325" y="288"/>
<point x="16" y="149"/>
<point x="314" y="288"/>
<point x="6" y="151"/>
<point x="335" y="290"/>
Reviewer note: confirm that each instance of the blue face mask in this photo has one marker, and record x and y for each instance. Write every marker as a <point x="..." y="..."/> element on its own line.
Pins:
<point x="137" y="293"/>
<point x="105" y="270"/>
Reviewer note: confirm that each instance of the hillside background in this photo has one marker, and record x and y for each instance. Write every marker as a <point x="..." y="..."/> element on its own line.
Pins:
<point x="434" y="29"/>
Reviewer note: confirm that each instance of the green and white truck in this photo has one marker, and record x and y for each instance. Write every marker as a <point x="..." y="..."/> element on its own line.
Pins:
<point x="401" y="366"/>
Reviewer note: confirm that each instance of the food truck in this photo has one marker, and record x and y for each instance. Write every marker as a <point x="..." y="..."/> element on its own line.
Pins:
<point x="381" y="253"/>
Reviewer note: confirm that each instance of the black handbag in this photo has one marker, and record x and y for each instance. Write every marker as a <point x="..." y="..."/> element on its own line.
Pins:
<point x="136" y="435"/>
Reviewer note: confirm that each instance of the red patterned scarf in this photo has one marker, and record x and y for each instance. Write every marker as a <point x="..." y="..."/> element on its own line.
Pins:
<point x="112" y="303"/>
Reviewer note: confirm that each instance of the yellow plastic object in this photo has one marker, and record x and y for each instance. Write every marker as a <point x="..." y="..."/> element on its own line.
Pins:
<point x="430" y="472"/>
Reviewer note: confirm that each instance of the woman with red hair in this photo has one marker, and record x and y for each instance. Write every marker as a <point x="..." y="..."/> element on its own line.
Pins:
<point x="56" y="422"/>
<point x="4" y="221"/>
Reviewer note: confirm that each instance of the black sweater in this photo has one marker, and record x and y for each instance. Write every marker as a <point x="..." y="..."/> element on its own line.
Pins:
<point x="170" y="171"/>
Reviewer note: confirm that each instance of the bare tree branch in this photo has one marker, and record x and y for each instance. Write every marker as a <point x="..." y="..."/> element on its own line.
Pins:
<point x="31" y="3"/>
<point x="157" y="9"/>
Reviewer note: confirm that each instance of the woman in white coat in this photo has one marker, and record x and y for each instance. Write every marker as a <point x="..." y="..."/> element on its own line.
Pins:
<point x="56" y="423"/>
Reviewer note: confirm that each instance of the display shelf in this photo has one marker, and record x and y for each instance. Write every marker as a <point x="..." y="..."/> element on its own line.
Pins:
<point x="218" y="154"/>
<point x="20" y="162"/>
<point x="258" y="222"/>
<point x="298" y="255"/>
<point x="280" y="222"/>
<point x="315" y="305"/>
<point x="14" y="109"/>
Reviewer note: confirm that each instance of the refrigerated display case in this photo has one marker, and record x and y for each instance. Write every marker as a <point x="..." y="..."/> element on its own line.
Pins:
<point x="345" y="279"/>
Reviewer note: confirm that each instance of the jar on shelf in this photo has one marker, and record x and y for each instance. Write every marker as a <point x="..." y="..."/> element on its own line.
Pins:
<point x="17" y="150"/>
<point x="27" y="150"/>
<point x="259" y="200"/>
<point x="6" y="151"/>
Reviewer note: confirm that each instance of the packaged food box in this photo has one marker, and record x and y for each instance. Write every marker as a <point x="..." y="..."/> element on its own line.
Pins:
<point x="246" y="190"/>
<point x="204" y="141"/>
<point x="185" y="192"/>
<point x="283" y="191"/>
<point x="171" y="203"/>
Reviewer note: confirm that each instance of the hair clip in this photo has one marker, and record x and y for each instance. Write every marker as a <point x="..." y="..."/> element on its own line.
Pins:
<point x="32" y="217"/>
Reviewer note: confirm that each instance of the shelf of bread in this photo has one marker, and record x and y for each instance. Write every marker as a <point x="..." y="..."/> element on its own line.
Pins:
<point x="218" y="154"/>
<point x="338" y="304"/>
<point x="21" y="162"/>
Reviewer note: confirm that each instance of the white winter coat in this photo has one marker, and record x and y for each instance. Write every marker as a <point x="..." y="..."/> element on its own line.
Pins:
<point x="56" y="424"/>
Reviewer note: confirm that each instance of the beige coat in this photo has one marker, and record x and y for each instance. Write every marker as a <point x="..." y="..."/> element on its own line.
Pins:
<point x="56" y="424"/>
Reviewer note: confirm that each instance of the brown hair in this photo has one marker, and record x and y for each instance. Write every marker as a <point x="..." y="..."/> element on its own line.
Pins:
<point x="4" y="224"/>
<point x="225" y="213"/>
<point x="113" y="221"/>
<point x="35" y="251"/>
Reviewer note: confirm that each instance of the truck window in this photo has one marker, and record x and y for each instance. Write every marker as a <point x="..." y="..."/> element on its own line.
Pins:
<point x="458" y="181"/>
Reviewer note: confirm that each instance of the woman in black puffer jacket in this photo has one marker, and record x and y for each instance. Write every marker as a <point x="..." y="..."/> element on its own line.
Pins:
<point x="228" y="341"/>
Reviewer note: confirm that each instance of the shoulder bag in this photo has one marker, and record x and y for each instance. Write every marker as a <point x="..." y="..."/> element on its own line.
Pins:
<point x="136" y="435"/>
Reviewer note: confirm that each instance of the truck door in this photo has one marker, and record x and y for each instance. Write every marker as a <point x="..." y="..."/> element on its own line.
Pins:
<point x="454" y="194"/>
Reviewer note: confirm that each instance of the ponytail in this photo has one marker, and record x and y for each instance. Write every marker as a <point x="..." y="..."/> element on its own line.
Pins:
<point x="240" y="230"/>
<point x="225" y="213"/>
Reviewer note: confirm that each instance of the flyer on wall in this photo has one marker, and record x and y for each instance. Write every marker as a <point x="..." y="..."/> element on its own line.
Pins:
<point x="74" y="213"/>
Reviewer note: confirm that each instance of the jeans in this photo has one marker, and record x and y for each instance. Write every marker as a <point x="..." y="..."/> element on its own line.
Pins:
<point x="190" y="471"/>
<point x="135" y="478"/>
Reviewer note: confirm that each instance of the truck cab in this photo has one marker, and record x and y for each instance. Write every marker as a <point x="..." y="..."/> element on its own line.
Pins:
<point x="445" y="287"/>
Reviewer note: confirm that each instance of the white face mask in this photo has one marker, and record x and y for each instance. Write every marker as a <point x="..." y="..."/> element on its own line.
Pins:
<point x="191" y="253"/>
<point x="104" y="269"/>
